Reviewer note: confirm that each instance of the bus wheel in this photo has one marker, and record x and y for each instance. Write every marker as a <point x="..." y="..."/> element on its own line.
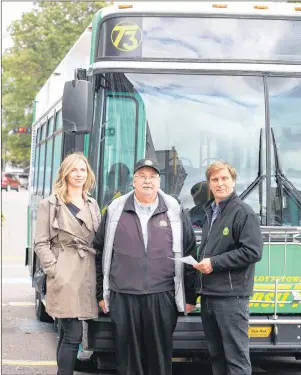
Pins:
<point x="79" y="366"/>
<point x="40" y="310"/>
<point x="104" y="361"/>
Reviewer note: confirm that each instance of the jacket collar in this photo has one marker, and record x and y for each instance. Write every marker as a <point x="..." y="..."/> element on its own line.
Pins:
<point x="130" y="204"/>
<point x="54" y="200"/>
<point x="222" y="204"/>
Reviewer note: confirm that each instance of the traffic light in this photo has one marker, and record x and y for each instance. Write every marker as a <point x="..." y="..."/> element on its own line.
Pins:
<point x="22" y="130"/>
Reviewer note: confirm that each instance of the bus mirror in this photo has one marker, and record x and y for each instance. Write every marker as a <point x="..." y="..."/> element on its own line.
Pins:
<point x="77" y="107"/>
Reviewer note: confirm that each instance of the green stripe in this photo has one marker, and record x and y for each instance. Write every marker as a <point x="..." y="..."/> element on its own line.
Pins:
<point x="95" y="24"/>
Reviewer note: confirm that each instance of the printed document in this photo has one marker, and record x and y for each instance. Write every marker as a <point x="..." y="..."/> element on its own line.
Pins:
<point x="187" y="260"/>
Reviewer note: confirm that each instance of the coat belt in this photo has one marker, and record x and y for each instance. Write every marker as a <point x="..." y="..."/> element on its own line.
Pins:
<point x="81" y="249"/>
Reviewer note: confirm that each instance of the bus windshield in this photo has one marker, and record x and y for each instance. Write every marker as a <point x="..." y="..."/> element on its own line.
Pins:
<point x="187" y="122"/>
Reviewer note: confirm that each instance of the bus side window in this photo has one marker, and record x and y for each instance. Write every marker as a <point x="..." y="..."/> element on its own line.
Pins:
<point x="120" y="139"/>
<point x="48" y="163"/>
<point x="42" y="161"/>
<point x="57" y="148"/>
<point x="36" y="161"/>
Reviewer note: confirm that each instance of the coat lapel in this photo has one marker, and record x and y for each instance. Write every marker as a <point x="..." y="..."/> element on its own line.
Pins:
<point x="63" y="219"/>
<point x="85" y="215"/>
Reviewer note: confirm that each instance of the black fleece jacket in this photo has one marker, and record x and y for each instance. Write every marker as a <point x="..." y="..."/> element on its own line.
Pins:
<point x="234" y="244"/>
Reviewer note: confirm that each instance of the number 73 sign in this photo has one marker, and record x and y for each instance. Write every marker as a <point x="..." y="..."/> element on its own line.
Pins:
<point x="126" y="36"/>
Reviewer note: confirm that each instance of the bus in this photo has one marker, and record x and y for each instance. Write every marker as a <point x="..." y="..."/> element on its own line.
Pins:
<point x="187" y="83"/>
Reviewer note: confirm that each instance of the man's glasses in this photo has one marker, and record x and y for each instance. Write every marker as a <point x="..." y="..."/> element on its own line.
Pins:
<point x="151" y="178"/>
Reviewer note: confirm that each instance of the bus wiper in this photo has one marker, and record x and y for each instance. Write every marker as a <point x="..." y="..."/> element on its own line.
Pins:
<point x="103" y="82"/>
<point x="260" y="177"/>
<point x="283" y="183"/>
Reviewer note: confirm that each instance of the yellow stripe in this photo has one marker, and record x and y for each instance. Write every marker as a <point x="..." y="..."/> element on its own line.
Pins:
<point x="281" y="287"/>
<point x="179" y="359"/>
<point x="19" y="304"/>
<point x="27" y="363"/>
<point x="13" y="257"/>
<point x="8" y="362"/>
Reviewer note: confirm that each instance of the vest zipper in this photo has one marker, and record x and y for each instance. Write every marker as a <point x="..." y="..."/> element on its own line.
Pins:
<point x="230" y="279"/>
<point x="145" y="254"/>
<point x="146" y="269"/>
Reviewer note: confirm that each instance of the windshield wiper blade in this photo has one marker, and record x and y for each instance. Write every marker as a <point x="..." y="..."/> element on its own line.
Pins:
<point x="260" y="177"/>
<point x="277" y="176"/>
<point x="282" y="181"/>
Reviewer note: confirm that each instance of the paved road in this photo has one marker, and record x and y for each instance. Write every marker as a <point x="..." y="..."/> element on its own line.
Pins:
<point x="28" y="346"/>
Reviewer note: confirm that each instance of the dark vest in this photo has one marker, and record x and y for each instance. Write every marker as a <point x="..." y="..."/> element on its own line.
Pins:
<point x="135" y="270"/>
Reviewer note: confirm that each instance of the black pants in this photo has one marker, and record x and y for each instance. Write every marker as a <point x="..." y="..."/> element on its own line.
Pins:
<point x="144" y="326"/>
<point x="225" y="323"/>
<point x="70" y="337"/>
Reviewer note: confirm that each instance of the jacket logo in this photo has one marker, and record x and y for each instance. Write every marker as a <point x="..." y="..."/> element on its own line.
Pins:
<point x="163" y="223"/>
<point x="226" y="231"/>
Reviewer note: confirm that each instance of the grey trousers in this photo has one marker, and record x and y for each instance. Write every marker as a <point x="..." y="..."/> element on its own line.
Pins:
<point x="225" y="322"/>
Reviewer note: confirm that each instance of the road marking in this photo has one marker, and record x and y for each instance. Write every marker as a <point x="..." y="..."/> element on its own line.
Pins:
<point x="19" y="304"/>
<point x="13" y="257"/>
<point x="27" y="363"/>
<point x="256" y="370"/>
<point x="13" y="265"/>
<point x="16" y="280"/>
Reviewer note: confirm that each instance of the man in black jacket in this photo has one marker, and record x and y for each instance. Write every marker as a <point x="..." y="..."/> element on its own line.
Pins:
<point x="231" y="245"/>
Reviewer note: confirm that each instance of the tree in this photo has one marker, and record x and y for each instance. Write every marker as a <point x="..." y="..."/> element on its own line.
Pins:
<point x="41" y="39"/>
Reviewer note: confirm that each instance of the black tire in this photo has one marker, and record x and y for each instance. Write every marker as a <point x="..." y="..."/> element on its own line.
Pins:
<point x="85" y="366"/>
<point x="8" y="188"/>
<point x="80" y="366"/>
<point x="40" y="310"/>
<point x="104" y="361"/>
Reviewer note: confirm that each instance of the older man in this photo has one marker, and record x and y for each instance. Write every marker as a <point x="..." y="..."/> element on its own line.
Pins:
<point x="231" y="245"/>
<point x="136" y="281"/>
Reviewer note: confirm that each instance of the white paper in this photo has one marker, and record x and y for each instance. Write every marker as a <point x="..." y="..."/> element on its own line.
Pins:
<point x="187" y="260"/>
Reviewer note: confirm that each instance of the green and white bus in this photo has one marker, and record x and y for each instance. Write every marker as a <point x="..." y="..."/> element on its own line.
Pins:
<point x="187" y="84"/>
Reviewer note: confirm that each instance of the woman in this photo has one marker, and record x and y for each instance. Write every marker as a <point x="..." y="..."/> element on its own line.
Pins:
<point x="66" y="226"/>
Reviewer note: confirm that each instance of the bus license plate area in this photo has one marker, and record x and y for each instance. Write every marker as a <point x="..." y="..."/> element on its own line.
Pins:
<point x="260" y="331"/>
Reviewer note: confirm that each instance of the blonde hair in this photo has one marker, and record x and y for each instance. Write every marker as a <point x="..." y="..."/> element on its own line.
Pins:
<point x="60" y="187"/>
<point x="217" y="165"/>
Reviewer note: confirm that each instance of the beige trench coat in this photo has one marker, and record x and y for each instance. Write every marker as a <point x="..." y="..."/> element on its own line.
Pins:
<point x="64" y="248"/>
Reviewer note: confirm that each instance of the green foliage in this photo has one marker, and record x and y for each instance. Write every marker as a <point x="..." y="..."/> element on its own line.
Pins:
<point x="41" y="40"/>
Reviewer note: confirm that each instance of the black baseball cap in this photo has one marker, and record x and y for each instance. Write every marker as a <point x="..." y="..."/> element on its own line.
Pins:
<point x="147" y="163"/>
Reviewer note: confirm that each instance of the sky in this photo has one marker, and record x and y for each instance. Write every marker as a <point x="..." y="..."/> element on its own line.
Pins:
<point x="12" y="11"/>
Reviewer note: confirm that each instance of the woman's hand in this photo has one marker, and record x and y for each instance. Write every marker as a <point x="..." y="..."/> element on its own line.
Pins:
<point x="102" y="306"/>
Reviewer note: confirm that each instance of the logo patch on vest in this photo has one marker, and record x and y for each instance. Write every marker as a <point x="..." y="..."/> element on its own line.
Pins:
<point x="163" y="223"/>
<point x="226" y="231"/>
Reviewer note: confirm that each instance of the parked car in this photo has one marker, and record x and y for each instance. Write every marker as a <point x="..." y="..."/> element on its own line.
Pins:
<point x="23" y="178"/>
<point x="10" y="181"/>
